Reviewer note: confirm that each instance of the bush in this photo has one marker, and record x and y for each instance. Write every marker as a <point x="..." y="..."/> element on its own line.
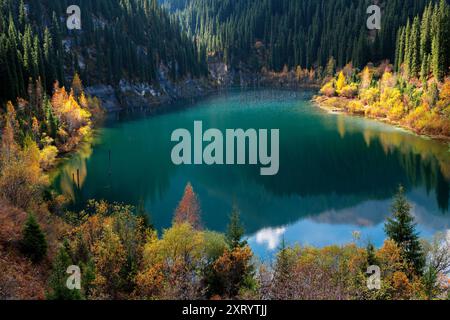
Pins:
<point x="370" y="96"/>
<point x="34" y="244"/>
<point x="396" y="112"/>
<point x="48" y="157"/>
<point x="356" y="107"/>
<point x="328" y="89"/>
<point x="349" y="91"/>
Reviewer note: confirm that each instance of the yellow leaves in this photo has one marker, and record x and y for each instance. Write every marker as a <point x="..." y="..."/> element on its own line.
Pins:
<point x="109" y="252"/>
<point x="235" y="260"/>
<point x="341" y="82"/>
<point x="388" y="80"/>
<point x="169" y="263"/>
<point x="390" y="257"/>
<point x="356" y="107"/>
<point x="35" y="126"/>
<point x="349" y="91"/>
<point x="178" y="244"/>
<point x="369" y="96"/>
<point x="397" y="111"/>
<point x="151" y="281"/>
<point x="85" y="131"/>
<point x="109" y="257"/>
<point x="328" y="89"/>
<point x="366" y="78"/>
<point x="422" y="119"/>
<point x="83" y="101"/>
<point x="21" y="178"/>
<point x="72" y="114"/>
<point x="48" y="157"/>
<point x="390" y="98"/>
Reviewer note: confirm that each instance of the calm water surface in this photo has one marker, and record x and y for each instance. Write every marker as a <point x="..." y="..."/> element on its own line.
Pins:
<point x="337" y="173"/>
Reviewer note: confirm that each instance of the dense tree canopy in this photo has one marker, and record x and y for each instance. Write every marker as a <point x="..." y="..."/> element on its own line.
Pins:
<point x="125" y="39"/>
<point x="273" y="33"/>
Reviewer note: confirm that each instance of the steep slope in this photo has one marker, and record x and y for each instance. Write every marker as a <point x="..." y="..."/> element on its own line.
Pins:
<point x="119" y="40"/>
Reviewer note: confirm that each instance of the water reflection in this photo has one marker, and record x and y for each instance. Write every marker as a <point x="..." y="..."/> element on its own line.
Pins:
<point x="337" y="173"/>
<point x="270" y="236"/>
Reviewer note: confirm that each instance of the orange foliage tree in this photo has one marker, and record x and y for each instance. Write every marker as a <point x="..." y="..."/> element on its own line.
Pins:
<point x="188" y="209"/>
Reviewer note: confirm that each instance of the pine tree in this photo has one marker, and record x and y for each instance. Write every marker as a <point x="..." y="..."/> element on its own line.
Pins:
<point x="407" y="53"/>
<point x="430" y="281"/>
<point x="399" y="55"/>
<point x="425" y="33"/>
<point x="415" y="49"/>
<point x="436" y="58"/>
<point x="235" y="230"/>
<point x="402" y="229"/>
<point x="34" y="244"/>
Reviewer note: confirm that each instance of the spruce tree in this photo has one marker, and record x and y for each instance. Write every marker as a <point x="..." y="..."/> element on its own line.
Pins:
<point x="415" y="49"/>
<point x="235" y="230"/>
<point x="34" y="244"/>
<point x="402" y="229"/>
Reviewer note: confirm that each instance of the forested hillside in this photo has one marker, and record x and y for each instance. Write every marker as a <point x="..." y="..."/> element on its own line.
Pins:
<point x="272" y="33"/>
<point x="46" y="111"/>
<point x="417" y="95"/>
<point x="125" y="39"/>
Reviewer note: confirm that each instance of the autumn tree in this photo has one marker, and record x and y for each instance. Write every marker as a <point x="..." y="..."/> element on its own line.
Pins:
<point x="234" y="272"/>
<point x="77" y="86"/>
<point x="172" y="264"/>
<point x="9" y="146"/>
<point x="401" y="228"/>
<point x="21" y="178"/>
<point x="34" y="244"/>
<point x="188" y="209"/>
<point x="341" y="82"/>
<point x="109" y="257"/>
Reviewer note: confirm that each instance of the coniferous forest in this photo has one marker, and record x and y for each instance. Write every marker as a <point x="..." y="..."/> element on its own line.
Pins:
<point x="58" y="87"/>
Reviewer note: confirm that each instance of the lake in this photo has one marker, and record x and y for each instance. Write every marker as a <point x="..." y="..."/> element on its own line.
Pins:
<point x="337" y="173"/>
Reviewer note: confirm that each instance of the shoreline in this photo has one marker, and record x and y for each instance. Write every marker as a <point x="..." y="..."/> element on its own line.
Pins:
<point x="318" y="101"/>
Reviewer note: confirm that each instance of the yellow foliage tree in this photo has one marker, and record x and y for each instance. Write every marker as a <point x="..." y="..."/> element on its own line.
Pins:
<point x="340" y="83"/>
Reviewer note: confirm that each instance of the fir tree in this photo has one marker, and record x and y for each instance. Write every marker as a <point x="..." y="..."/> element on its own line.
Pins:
<point x="235" y="230"/>
<point x="34" y="244"/>
<point x="402" y="229"/>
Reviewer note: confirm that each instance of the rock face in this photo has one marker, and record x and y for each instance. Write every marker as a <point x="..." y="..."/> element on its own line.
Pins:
<point x="130" y="95"/>
<point x="140" y="95"/>
<point x="107" y="95"/>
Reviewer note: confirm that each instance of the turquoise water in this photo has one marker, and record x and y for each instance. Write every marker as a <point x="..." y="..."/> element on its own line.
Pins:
<point x="337" y="173"/>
